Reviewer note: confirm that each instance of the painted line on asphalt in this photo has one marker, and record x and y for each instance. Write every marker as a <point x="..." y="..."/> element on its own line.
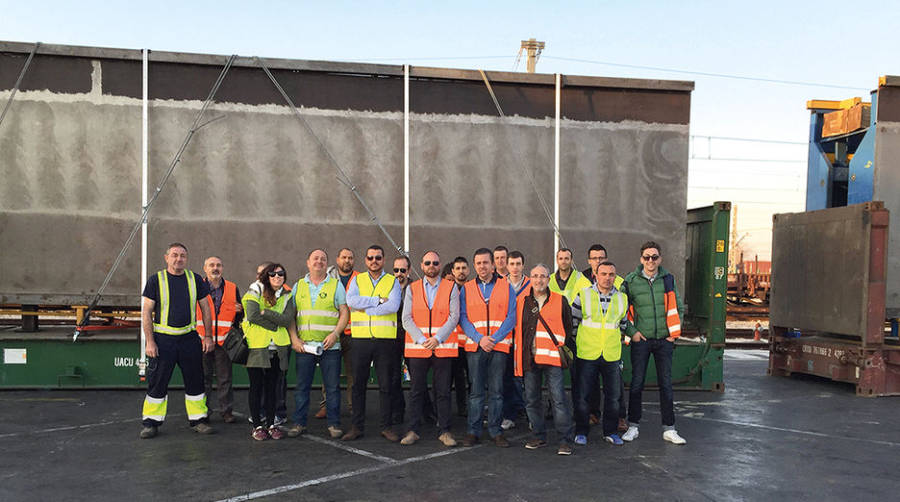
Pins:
<point x="357" y="472"/>
<point x="68" y="428"/>
<point x="345" y="447"/>
<point x="796" y="431"/>
<point x="779" y="429"/>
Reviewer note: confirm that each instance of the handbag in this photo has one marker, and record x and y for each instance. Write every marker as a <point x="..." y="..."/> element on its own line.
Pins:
<point x="236" y="345"/>
<point x="565" y="353"/>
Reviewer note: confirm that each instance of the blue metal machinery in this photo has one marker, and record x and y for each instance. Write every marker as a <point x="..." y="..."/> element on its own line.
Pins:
<point x="840" y="168"/>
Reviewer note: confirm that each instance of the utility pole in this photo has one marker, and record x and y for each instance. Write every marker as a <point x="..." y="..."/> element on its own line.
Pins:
<point x="533" y="50"/>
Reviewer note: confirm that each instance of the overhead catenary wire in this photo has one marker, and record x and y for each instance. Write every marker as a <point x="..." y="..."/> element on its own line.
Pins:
<point x="195" y="126"/>
<point x="343" y="177"/>
<point x="708" y="74"/>
<point x="15" y="88"/>
<point x="521" y="164"/>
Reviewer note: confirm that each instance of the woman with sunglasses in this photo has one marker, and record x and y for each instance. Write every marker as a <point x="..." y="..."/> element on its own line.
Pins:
<point x="269" y="313"/>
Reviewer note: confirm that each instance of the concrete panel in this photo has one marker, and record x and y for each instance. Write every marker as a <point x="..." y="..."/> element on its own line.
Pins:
<point x="254" y="185"/>
<point x="887" y="189"/>
<point x="622" y="185"/>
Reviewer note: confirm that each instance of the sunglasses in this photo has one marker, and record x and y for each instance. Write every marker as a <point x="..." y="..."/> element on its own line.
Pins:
<point x="399" y="270"/>
<point x="374" y="258"/>
<point x="430" y="263"/>
<point x="650" y="257"/>
<point x="279" y="273"/>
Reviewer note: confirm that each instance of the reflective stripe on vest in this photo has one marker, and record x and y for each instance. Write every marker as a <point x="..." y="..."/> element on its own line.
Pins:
<point x="430" y="320"/>
<point x="546" y="351"/>
<point x="224" y="319"/>
<point x="259" y="337"/>
<point x="599" y="333"/>
<point x="163" y="325"/>
<point x="363" y="325"/>
<point x="488" y="315"/>
<point x="315" y="322"/>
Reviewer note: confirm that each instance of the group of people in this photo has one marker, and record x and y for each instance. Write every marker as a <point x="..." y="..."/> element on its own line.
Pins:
<point x="497" y="338"/>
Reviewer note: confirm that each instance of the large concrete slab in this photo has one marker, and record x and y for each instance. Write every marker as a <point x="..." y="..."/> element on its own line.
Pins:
<point x="254" y="185"/>
<point x="887" y="184"/>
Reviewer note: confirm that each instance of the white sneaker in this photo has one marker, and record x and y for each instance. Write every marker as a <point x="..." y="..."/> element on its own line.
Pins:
<point x="672" y="436"/>
<point x="631" y="434"/>
<point x="507" y="424"/>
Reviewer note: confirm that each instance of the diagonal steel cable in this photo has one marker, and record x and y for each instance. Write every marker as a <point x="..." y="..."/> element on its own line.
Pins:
<point x="15" y="88"/>
<point x="521" y="164"/>
<point x="343" y="178"/>
<point x="194" y="128"/>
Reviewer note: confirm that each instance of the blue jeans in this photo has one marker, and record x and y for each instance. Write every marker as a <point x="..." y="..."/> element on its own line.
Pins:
<point x="588" y="370"/>
<point x="534" y="403"/>
<point x="330" y="364"/>
<point x="513" y="397"/>
<point x="486" y="370"/>
<point x="662" y="350"/>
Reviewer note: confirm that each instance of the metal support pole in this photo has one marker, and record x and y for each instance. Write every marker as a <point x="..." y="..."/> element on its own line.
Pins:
<point x="15" y="88"/>
<point x="194" y="127"/>
<point x="556" y="168"/>
<point x="145" y="57"/>
<point x="406" y="157"/>
<point x="520" y="161"/>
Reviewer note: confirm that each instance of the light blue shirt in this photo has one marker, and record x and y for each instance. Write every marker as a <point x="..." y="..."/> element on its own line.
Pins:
<point x="371" y="304"/>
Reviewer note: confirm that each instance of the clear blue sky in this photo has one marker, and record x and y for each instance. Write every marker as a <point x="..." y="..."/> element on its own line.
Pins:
<point x="822" y="42"/>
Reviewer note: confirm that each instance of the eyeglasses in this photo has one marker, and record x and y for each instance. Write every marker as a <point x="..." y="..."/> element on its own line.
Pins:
<point x="539" y="276"/>
<point x="650" y="257"/>
<point x="279" y="273"/>
<point x="399" y="270"/>
<point x="375" y="258"/>
<point x="430" y="263"/>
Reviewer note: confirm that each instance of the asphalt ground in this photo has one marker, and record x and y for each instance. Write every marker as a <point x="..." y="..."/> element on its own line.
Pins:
<point x="764" y="438"/>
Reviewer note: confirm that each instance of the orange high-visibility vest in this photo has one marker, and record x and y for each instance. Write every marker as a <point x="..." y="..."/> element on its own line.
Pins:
<point x="487" y="315"/>
<point x="347" y="288"/>
<point x="223" y="320"/>
<point x="546" y="351"/>
<point x="430" y="320"/>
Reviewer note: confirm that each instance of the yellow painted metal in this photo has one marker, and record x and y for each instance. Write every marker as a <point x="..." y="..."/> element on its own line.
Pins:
<point x="824" y="104"/>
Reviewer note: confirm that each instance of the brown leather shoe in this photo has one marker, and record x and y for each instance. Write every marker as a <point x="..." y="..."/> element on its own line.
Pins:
<point x="470" y="440"/>
<point x="623" y="425"/>
<point x="353" y="434"/>
<point x="228" y="417"/>
<point x="500" y="441"/>
<point x="390" y="435"/>
<point x="593" y="420"/>
<point x="321" y="413"/>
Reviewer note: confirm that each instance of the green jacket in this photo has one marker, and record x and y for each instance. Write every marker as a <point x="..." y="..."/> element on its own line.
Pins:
<point x="647" y="299"/>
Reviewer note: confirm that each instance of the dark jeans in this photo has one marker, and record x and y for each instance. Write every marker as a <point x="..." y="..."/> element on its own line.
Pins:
<point x="217" y="367"/>
<point x="263" y="391"/>
<point x="486" y="370"/>
<point x="588" y="370"/>
<point x="623" y="397"/>
<point x="418" y="380"/>
<point x="398" y="402"/>
<point x="186" y="351"/>
<point x="513" y="392"/>
<point x="461" y="381"/>
<point x="534" y="403"/>
<point x="330" y="364"/>
<point x="662" y="350"/>
<point x="382" y="353"/>
<point x="281" y="394"/>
